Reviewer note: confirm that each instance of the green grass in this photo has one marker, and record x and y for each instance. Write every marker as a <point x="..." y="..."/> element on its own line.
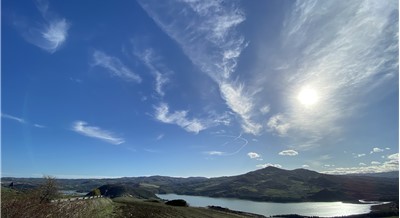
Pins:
<point x="131" y="207"/>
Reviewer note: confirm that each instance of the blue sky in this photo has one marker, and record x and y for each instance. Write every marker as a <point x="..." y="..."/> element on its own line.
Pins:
<point x="198" y="88"/>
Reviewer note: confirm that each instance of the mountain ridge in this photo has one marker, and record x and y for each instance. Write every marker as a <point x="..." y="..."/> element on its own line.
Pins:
<point x="267" y="184"/>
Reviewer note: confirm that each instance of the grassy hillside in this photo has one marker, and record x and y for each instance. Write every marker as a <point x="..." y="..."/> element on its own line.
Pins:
<point x="27" y="204"/>
<point x="121" y="190"/>
<point x="131" y="207"/>
<point x="273" y="184"/>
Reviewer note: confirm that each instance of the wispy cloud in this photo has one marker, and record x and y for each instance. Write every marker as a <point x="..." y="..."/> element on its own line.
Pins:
<point x="241" y="103"/>
<point x="206" y="32"/>
<point x="305" y="166"/>
<point x="159" y="137"/>
<point x="233" y="147"/>
<point x="357" y="49"/>
<point x="20" y="120"/>
<point x="375" y="162"/>
<point x="268" y="165"/>
<point x="83" y="128"/>
<point x="265" y="109"/>
<point x="278" y="124"/>
<point x="358" y="155"/>
<point x="160" y="72"/>
<point x="114" y="66"/>
<point x="49" y="34"/>
<point x="214" y="153"/>
<point x="179" y="118"/>
<point x="289" y="153"/>
<point x="38" y="125"/>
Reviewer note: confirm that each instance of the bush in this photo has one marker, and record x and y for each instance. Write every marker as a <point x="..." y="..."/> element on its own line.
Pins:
<point x="96" y="192"/>
<point x="178" y="202"/>
<point x="37" y="203"/>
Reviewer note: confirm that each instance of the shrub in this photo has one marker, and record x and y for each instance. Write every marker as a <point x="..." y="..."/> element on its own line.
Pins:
<point x="178" y="202"/>
<point x="96" y="192"/>
<point x="37" y="203"/>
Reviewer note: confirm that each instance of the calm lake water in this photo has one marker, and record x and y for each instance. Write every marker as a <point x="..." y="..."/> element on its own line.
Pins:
<point x="72" y="192"/>
<point x="322" y="209"/>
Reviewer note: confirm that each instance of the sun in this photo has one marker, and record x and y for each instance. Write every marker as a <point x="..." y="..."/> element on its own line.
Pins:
<point x="307" y="96"/>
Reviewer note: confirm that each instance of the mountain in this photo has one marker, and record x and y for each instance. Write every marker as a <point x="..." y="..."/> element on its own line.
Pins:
<point x="278" y="185"/>
<point x="267" y="184"/>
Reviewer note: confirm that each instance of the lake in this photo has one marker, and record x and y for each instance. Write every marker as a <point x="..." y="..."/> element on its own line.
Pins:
<point x="322" y="209"/>
<point x="72" y="192"/>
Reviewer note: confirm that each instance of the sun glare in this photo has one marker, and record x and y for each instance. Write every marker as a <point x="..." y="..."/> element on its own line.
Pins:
<point x="307" y="96"/>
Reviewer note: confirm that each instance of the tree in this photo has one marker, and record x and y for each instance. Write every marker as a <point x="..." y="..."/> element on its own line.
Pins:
<point x="96" y="192"/>
<point x="48" y="191"/>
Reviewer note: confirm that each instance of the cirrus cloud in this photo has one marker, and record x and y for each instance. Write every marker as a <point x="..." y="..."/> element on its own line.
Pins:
<point x="114" y="66"/>
<point x="49" y="34"/>
<point x="83" y="128"/>
<point x="206" y="32"/>
<point x="179" y="118"/>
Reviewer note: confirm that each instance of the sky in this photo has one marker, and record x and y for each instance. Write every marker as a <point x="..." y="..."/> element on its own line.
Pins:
<point x="95" y="89"/>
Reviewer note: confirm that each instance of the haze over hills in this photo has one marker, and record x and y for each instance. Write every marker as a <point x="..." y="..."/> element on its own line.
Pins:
<point x="268" y="184"/>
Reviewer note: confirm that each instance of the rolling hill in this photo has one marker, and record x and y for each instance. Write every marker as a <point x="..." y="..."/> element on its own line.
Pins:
<point x="278" y="185"/>
<point x="268" y="184"/>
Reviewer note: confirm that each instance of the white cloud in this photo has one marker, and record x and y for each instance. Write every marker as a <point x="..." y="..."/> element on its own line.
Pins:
<point x="359" y="155"/>
<point x="268" y="165"/>
<point x="387" y="148"/>
<point x="376" y="150"/>
<point x="358" y="50"/>
<point x="278" y="124"/>
<point x="254" y="155"/>
<point x="157" y="69"/>
<point x="114" y="66"/>
<point x="179" y="118"/>
<point x="20" y="120"/>
<point x="49" y="34"/>
<point x="305" y="166"/>
<point x="39" y="126"/>
<point x="362" y="164"/>
<point x="159" y="137"/>
<point x="206" y="32"/>
<point x="394" y="156"/>
<point x="289" y="153"/>
<point x="376" y="167"/>
<point x="265" y="109"/>
<point x="216" y="153"/>
<point x="55" y="35"/>
<point x="375" y="162"/>
<point x="82" y="128"/>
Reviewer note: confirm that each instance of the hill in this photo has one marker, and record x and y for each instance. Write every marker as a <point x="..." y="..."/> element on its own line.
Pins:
<point x="268" y="184"/>
<point x="278" y="185"/>
<point x="123" y="190"/>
